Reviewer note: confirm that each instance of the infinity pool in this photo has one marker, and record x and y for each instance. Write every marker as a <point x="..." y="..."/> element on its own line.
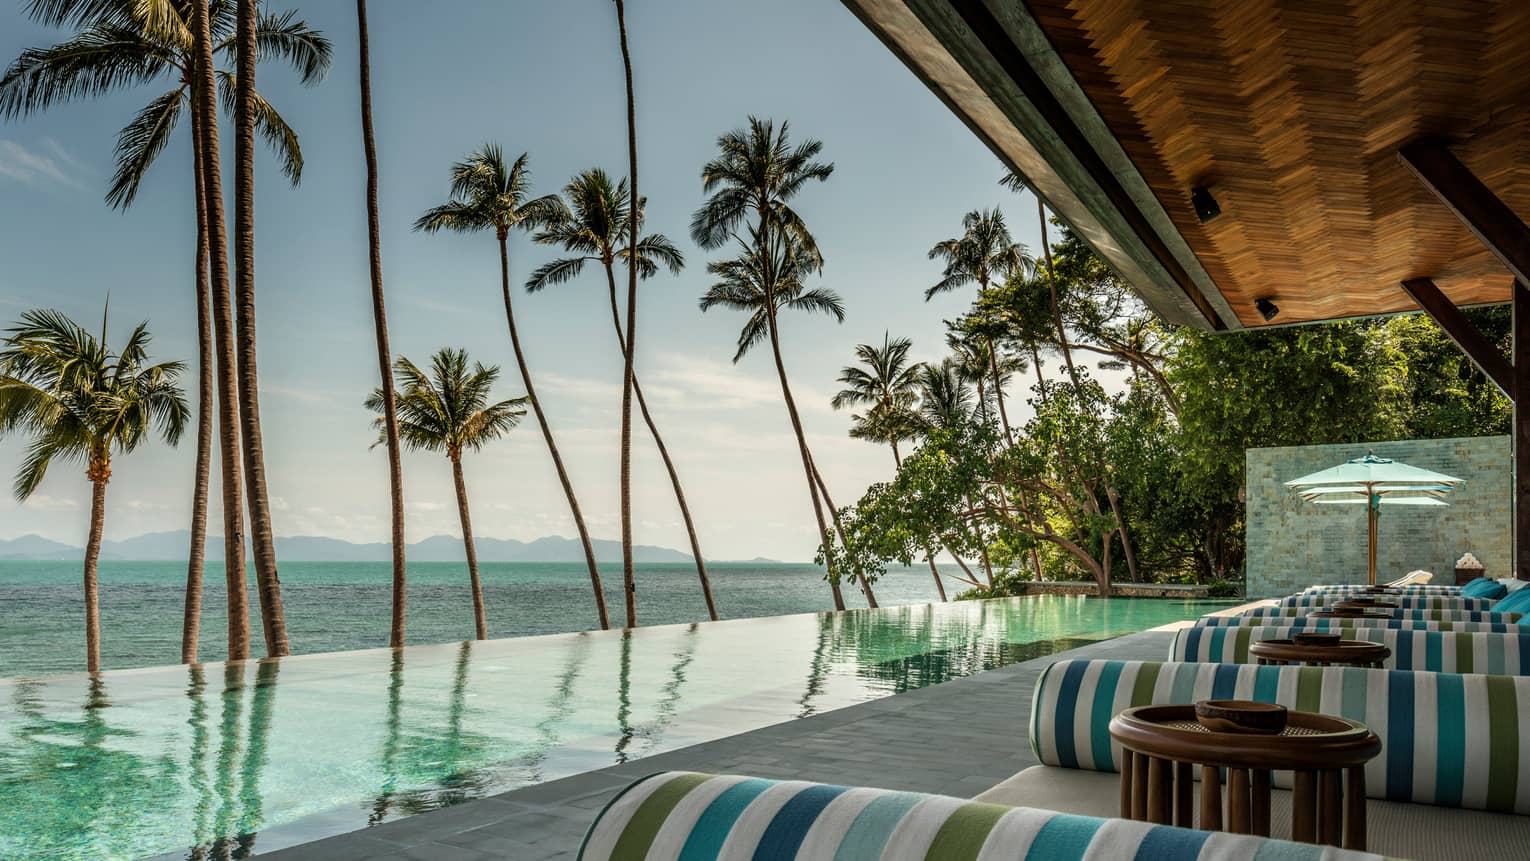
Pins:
<point x="226" y="760"/>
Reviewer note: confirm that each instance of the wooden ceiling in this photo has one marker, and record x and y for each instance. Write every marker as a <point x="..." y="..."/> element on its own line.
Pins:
<point x="1292" y="114"/>
<point x="1290" y="111"/>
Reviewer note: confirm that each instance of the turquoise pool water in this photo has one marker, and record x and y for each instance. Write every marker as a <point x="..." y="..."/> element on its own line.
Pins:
<point x="236" y="758"/>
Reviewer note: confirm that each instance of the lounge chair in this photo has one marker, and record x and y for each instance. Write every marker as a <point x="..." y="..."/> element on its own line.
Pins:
<point x="1413" y="614"/>
<point x="1436" y="651"/>
<point x="1449" y="741"/>
<point x="1406" y="602"/>
<point x="1310" y="623"/>
<point x="682" y="815"/>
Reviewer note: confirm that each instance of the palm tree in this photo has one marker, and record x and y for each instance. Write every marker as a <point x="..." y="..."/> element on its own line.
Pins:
<point x="755" y="175"/>
<point x="488" y="194"/>
<point x="982" y="253"/>
<point x="118" y="45"/>
<point x="888" y="385"/>
<point x="448" y="411"/>
<point x="629" y="350"/>
<point x="380" y="326"/>
<point x="762" y="285"/>
<point x="591" y="225"/>
<point x="82" y="402"/>
<point x="267" y="581"/>
<point x="1016" y="183"/>
<point x="945" y="404"/>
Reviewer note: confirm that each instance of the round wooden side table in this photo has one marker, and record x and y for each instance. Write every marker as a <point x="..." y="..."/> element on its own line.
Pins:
<point x="1351" y="653"/>
<point x="1163" y="745"/>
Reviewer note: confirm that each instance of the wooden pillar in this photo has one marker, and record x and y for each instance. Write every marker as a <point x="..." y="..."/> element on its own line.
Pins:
<point x="1521" y="432"/>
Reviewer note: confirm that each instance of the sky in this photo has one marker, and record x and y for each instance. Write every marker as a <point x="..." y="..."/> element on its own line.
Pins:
<point x="543" y="78"/>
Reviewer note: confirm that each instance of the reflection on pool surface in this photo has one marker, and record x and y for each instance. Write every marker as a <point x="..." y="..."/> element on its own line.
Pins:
<point x="239" y="757"/>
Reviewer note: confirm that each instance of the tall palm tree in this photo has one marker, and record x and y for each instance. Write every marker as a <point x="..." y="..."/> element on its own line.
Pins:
<point x="984" y="252"/>
<point x="80" y="401"/>
<point x="888" y="386"/>
<point x="210" y="216"/>
<point x="629" y="350"/>
<point x="763" y="281"/>
<point x="489" y="194"/>
<point x="123" y="44"/>
<point x="448" y="410"/>
<point x="1016" y="183"/>
<point x="592" y="224"/>
<point x="380" y="327"/>
<point x="753" y="178"/>
<point x="267" y="582"/>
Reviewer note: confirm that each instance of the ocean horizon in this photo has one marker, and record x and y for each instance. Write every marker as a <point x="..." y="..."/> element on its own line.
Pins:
<point x="344" y="606"/>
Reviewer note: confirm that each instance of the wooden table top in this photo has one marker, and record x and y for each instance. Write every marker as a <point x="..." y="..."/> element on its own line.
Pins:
<point x="1342" y="652"/>
<point x="1310" y="741"/>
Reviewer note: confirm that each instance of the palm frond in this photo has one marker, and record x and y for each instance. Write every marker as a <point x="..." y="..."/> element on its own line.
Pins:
<point x="98" y="60"/>
<point x="140" y="142"/>
<point x="555" y="272"/>
<point x="279" y="136"/>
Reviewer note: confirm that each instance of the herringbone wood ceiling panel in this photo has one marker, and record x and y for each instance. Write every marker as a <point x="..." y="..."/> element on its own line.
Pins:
<point x="1292" y="113"/>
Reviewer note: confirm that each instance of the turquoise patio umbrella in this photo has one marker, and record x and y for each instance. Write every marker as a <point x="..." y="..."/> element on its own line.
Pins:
<point x="1373" y="482"/>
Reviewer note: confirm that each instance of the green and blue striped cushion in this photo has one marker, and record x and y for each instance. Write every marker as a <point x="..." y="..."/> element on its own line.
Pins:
<point x="1437" y="651"/>
<point x="1406" y="602"/>
<point x="1447" y="739"/>
<point x="1400" y="613"/>
<point x="1423" y="589"/>
<point x="683" y="816"/>
<point x="1309" y="623"/>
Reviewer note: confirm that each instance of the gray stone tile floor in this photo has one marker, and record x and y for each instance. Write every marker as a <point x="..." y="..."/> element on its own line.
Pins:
<point x="956" y="738"/>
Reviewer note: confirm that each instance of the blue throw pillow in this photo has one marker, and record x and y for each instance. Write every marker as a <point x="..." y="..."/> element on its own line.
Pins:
<point x="1516" y="602"/>
<point x="1482" y="587"/>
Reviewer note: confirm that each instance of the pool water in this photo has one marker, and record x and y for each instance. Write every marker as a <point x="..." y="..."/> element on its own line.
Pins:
<point x="223" y="760"/>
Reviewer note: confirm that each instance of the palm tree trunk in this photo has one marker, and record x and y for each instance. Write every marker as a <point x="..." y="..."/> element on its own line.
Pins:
<point x="940" y="585"/>
<point x="1126" y="541"/>
<point x="547" y="435"/>
<point x="669" y="464"/>
<point x="267" y="582"/>
<point x="629" y="585"/>
<point x="223" y="340"/>
<point x="480" y="618"/>
<point x="99" y="473"/>
<point x="384" y="352"/>
<point x="998" y="389"/>
<point x="1057" y="321"/>
<point x="802" y="448"/>
<point x="191" y="620"/>
<point x="823" y="488"/>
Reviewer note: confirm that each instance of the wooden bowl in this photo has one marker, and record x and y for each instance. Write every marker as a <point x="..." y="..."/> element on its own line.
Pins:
<point x="1315" y="638"/>
<point x="1241" y="716"/>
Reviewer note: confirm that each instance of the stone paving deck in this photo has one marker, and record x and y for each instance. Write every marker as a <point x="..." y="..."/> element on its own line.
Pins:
<point x="955" y="738"/>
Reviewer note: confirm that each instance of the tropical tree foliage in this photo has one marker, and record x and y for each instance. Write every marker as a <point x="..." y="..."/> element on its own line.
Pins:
<point x="81" y="402"/>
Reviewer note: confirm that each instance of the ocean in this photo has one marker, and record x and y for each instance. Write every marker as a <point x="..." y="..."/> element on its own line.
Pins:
<point x="340" y="606"/>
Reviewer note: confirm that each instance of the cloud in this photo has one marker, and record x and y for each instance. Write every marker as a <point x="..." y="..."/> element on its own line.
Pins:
<point x="44" y="502"/>
<point x="145" y="505"/>
<point x="425" y="506"/>
<point x="708" y="384"/>
<point x="34" y="167"/>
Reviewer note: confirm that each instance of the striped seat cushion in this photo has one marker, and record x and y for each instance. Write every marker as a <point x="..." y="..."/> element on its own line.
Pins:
<point x="1308" y="623"/>
<point x="1444" y="652"/>
<point x="1447" y="739"/>
<point x="699" y="817"/>
<point x="1400" y="613"/>
<point x="1423" y="589"/>
<point x="1406" y="602"/>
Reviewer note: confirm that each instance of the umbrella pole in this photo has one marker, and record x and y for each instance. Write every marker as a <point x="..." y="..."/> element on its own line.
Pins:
<point x="1370" y="516"/>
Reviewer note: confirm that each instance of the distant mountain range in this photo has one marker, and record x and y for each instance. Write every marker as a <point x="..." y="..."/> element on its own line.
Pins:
<point x="175" y="546"/>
